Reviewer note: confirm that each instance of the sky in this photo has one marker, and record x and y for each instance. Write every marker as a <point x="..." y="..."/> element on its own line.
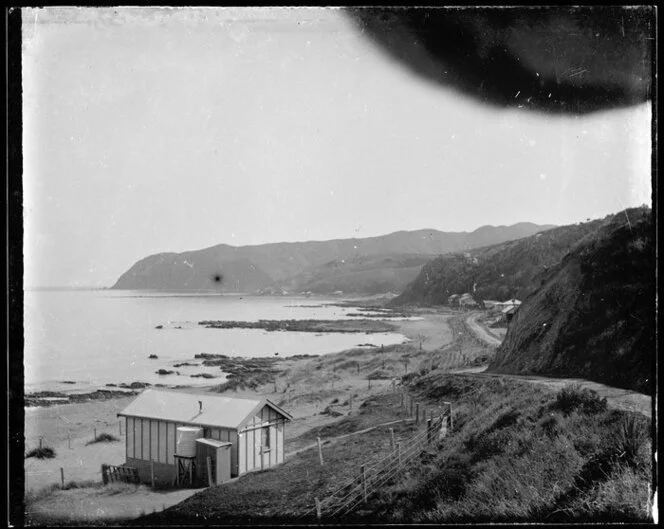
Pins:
<point x="168" y="130"/>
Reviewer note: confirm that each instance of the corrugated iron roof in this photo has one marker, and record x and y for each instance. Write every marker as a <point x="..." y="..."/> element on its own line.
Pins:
<point x="176" y="406"/>
<point x="213" y="442"/>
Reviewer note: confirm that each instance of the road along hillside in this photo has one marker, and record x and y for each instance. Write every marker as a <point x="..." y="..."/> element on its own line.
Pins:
<point x="617" y="398"/>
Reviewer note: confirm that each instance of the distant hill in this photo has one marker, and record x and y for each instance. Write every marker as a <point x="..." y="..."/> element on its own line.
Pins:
<point x="371" y="274"/>
<point x="592" y="314"/>
<point x="498" y="272"/>
<point x="364" y="266"/>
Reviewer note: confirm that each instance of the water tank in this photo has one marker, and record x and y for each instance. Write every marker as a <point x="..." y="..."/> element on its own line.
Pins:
<point x="186" y="440"/>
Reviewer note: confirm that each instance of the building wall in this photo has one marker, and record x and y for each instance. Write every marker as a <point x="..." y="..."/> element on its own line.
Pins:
<point x="151" y="439"/>
<point x="155" y="440"/>
<point x="253" y="454"/>
<point x="226" y="434"/>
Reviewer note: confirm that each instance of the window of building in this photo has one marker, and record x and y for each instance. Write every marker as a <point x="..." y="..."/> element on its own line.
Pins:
<point x="266" y="438"/>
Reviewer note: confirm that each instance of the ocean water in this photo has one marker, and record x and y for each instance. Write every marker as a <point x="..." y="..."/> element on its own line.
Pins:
<point x="99" y="337"/>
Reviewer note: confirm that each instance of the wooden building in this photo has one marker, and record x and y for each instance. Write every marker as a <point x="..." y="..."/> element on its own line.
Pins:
<point x="240" y="435"/>
<point x="509" y="309"/>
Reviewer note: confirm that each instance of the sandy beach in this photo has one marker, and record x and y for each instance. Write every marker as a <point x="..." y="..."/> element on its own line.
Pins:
<point x="305" y="387"/>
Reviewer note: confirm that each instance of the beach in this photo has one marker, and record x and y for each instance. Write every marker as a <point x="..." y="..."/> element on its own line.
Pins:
<point x="304" y="387"/>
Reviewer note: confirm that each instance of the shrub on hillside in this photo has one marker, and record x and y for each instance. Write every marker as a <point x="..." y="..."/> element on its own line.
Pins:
<point x="573" y="398"/>
<point x="379" y="374"/>
<point x="45" y="452"/>
<point x="103" y="438"/>
<point x="632" y="437"/>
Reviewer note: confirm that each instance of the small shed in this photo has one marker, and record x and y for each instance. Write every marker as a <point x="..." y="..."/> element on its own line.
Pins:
<point x="508" y="312"/>
<point x="467" y="301"/>
<point x="240" y="435"/>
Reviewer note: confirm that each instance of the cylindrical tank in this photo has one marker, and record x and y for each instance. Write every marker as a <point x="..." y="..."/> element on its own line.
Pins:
<point x="186" y="440"/>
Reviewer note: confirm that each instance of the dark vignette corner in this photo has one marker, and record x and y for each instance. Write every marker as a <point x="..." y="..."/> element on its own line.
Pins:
<point x="14" y="245"/>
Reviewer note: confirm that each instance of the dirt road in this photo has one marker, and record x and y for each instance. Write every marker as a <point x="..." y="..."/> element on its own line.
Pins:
<point x="617" y="398"/>
<point x="480" y="331"/>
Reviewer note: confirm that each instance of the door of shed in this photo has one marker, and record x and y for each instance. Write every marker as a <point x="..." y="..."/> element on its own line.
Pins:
<point x="219" y="453"/>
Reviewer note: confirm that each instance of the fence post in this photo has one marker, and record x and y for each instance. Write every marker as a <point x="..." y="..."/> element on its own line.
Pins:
<point x="451" y="418"/>
<point x="364" y="482"/>
<point x="320" y="451"/>
<point x="104" y="474"/>
<point x="417" y="414"/>
<point x="402" y="398"/>
<point x="391" y="438"/>
<point x="62" y="476"/>
<point x="443" y="426"/>
<point x="394" y="385"/>
<point x="411" y="407"/>
<point x="152" y="473"/>
<point x="428" y="430"/>
<point x="209" y="470"/>
<point x="120" y="426"/>
<point x="318" y="510"/>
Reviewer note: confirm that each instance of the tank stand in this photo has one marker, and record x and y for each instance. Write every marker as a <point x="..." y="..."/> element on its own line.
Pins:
<point x="186" y="469"/>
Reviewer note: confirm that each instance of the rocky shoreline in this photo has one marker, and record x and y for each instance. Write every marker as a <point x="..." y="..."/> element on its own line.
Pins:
<point x="340" y="326"/>
<point x="51" y="398"/>
<point x="241" y="373"/>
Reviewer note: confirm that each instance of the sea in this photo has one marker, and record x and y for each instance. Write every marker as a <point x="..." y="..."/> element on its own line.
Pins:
<point x="82" y="340"/>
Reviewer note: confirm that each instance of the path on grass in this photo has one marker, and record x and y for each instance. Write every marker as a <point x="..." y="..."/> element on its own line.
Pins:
<point x="617" y="398"/>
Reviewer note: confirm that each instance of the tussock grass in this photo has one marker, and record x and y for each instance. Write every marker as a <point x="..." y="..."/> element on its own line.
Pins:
<point x="103" y="438"/>
<point x="522" y="453"/>
<point x="573" y="398"/>
<point x="44" y="452"/>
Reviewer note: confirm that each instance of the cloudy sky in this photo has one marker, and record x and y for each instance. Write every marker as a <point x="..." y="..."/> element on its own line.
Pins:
<point x="161" y="130"/>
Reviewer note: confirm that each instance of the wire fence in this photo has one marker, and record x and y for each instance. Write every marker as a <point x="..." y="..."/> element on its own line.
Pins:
<point x="357" y="491"/>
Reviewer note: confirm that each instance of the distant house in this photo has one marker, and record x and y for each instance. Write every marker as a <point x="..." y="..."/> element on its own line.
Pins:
<point x="509" y="309"/>
<point x="453" y="300"/>
<point x="467" y="301"/>
<point x="239" y="435"/>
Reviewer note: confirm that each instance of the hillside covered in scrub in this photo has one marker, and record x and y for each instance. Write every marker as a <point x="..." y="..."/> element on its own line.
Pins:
<point x="364" y="266"/>
<point x="593" y="314"/>
<point x="497" y="272"/>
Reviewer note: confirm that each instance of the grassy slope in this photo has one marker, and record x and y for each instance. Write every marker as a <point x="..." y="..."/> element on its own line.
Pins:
<point x="519" y="452"/>
<point x="594" y="315"/>
<point x="523" y="453"/>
